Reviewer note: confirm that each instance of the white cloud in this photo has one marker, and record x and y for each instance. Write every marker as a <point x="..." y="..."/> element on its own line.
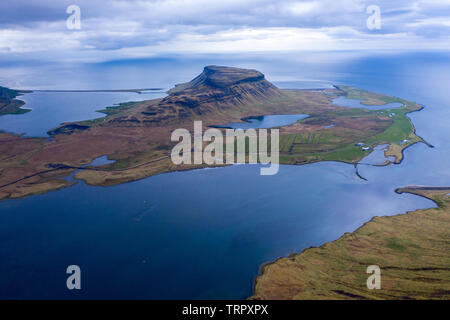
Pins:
<point x="129" y="29"/>
<point x="303" y="8"/>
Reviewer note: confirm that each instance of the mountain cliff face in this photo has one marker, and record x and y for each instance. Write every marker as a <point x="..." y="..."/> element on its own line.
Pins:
<point x="215" y="89"/>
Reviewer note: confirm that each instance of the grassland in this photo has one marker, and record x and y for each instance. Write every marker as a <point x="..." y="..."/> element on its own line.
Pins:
<point x="412" y="251"/>
<point x="350" y="127"/>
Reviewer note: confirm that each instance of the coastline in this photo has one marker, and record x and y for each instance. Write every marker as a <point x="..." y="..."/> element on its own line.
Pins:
<point x="262" y="280"/>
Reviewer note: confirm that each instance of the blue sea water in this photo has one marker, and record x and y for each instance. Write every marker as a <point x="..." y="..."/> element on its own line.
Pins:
<point x="205" y="233"/>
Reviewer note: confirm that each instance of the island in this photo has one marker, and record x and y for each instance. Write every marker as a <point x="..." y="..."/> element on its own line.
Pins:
<point x="412" y="251"/>
<point x="136" y="135"/>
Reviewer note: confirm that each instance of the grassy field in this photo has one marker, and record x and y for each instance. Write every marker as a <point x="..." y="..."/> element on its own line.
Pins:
<point x="412" y="251"/>
<point x="338" y="143"/>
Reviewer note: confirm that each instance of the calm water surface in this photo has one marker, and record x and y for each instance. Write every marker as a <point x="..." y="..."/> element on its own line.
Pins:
<point x="50" y="109"/>
<point x="356" y="103"/>
<point x="265" y="122"/>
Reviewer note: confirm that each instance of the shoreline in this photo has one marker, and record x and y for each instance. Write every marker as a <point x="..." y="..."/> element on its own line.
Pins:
<point x="414" y="190"/>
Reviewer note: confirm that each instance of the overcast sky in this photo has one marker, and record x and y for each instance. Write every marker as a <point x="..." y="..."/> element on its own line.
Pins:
<point x="111" y="30"/>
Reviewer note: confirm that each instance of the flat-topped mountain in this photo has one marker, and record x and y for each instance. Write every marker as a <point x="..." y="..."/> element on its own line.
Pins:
<point x="220" y="77"/>
<point x="216" y="88"/>
<point x="218" y="92"/>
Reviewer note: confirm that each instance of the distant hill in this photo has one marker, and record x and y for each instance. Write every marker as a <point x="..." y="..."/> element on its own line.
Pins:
<point x="8" y="103"/>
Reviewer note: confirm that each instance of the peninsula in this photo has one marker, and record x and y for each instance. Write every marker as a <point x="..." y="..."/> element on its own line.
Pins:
<point x="136" y="135"/>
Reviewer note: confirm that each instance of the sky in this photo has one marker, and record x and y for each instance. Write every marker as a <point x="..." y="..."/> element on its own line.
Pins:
<point x="112" y="30"/>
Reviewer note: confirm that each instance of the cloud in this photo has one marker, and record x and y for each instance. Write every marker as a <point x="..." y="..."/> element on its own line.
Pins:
<point x="128" y="29"/>
<point x="433" y="22"/>
<point x="303" y="8"/>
